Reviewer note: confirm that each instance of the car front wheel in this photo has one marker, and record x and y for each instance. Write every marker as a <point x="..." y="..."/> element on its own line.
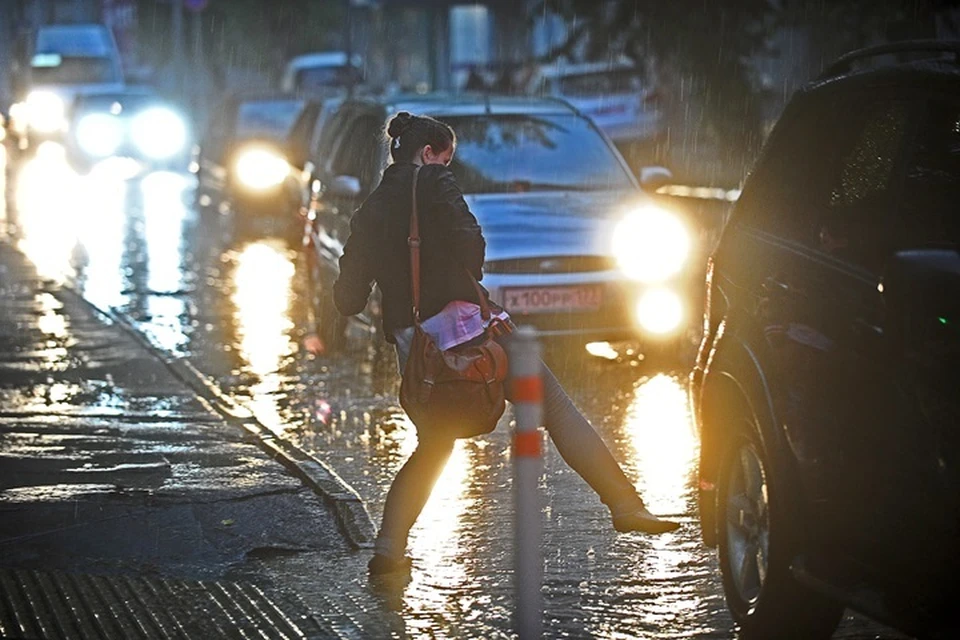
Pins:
<point x="755" y="549"/>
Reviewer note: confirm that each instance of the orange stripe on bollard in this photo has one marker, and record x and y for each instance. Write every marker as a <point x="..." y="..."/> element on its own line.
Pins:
<point x="526" y="444"/>
<point x="527" y="389"/>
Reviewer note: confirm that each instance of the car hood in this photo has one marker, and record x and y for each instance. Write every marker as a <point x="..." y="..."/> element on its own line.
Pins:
<point x="551" y="224"/>
<point x="69" y="91"/>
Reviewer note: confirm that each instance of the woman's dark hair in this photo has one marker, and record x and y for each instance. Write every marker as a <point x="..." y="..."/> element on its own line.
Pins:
<point x="409" y="133"/>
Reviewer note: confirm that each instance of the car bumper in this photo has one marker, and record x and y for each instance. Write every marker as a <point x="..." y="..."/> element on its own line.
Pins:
<point x="284" y="199"/>
<point x="613" y="317"/>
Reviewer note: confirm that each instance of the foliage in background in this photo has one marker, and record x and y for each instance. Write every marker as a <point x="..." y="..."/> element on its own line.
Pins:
<point x="252" y="34"/>
<point x="705" y="53"/>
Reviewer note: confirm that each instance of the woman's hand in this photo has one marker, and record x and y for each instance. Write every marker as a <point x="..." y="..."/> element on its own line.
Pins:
<point x="314" y="344"/>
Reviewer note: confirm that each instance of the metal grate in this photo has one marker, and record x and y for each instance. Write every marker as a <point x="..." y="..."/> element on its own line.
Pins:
<point x="60" y="605"/>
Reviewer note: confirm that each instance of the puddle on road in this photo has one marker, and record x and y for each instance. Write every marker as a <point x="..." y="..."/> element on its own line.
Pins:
<point x="231" y="303"/>
<point x="54" y="493"/>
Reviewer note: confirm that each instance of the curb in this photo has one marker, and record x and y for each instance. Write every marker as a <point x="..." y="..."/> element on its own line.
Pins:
<point x="352" y="517"/>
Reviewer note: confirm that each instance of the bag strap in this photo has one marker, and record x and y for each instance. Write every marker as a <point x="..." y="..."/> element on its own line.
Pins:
<point x="413" y="241"/>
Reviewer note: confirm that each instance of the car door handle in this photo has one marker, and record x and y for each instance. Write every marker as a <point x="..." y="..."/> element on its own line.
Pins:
<point x="777" y="288"/>
<point x="866" y="330"/>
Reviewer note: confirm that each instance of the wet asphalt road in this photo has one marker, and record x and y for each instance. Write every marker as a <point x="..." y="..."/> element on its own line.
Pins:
<point x="234" y="302"/>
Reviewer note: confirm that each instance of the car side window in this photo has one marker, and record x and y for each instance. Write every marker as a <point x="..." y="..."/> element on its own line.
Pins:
<point x="827" y="182"/>
<point x="326" y="143"/>
<point x="855" y="223"/>
<point x="777" y="198"/>
<point x="929" y="212"/>
<point x="357" y="149"/>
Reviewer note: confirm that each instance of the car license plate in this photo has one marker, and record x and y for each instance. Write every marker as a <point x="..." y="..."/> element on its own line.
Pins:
<point x="551" y="299"/>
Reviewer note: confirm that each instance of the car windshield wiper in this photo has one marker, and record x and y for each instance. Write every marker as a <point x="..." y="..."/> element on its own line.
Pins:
<point x="522" y="186"/>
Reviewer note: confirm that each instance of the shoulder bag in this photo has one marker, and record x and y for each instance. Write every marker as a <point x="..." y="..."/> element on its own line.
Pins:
<point x="459" y="391"/>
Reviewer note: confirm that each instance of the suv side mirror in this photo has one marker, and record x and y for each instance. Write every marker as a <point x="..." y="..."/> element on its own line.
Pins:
<point x="652" y="178"/>
<point x="344" y="187"/>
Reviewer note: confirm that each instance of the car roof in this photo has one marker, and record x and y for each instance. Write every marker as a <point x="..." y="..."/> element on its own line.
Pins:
<point x="323" y="59"/>
<point x="467" y="104"/>
<point x="842" y="72"/>
<point x="563" y="69"/>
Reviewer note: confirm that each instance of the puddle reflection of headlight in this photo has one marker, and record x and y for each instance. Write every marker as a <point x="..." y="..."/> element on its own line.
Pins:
<point x="99" y="134"/>
<point x="660" y="311"/>
<point x="261" y="169"/>
<point x="651" y="244"/>
<point x="159" y="133"/>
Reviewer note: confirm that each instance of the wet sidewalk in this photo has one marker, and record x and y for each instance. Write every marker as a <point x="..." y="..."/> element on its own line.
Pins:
<point x="129" y="507"/>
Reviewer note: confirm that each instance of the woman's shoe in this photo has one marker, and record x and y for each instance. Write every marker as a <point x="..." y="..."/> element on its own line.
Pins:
<point x="642" y="520"/>
<point x="381" y="565"/>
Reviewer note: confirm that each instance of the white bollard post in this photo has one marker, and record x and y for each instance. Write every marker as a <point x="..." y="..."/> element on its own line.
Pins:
<point x="527" y="394"/>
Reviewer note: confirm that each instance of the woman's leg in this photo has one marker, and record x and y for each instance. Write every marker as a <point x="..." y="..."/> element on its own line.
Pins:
<point x="409" y="493"/>
<point x="584" y="450"/>
<point x="581" y="446"/>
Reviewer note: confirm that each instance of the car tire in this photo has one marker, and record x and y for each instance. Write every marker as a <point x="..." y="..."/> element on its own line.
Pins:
<point x="756" y="545"/>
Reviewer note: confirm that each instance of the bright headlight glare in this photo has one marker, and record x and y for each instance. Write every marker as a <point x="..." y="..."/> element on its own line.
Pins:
<point x="261" y="169"/>
<point x="99" y="134"/>
<point x="45" y="111"/>
<point x="159" y="133"/>
<point x="651" y="244"/>
<point x="660" y="311"/>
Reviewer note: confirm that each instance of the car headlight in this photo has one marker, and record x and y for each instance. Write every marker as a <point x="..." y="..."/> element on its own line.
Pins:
<point x="651" y="244"/>
<point x="45" y="111"/>
<point x="261" y="169"/>
<point x="159" y="133"/>
<point x="99" y="134"/>
<point x="660" y="311"/>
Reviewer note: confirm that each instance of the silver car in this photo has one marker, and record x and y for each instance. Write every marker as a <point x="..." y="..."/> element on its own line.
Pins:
<point x="574" y="246"/>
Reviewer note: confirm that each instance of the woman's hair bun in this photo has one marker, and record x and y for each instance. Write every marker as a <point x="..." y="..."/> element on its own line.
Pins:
<point x="399" y="123"/>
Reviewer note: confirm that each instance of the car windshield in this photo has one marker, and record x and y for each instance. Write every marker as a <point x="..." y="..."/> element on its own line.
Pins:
<point x="272" y="118"/>
<point x="77" y="71"/>
<point x="517" y="153"/>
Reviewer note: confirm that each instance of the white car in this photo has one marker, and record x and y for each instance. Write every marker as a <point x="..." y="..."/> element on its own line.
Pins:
<point x="62" y="62"/>
<point x="321" y="73"/>
<point x="613" y="95"/>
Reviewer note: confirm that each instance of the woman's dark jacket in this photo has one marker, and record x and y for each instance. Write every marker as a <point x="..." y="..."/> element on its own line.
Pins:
<point x="377" y="250"/>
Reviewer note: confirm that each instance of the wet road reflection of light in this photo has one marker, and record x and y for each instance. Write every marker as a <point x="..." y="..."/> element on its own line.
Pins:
<point x="662" y="443"/>
<point x="164" y="214"/>
<point x="262" y="296"/>
<point x="102" y="211"/>
<point x="435" y="540"/>
<point x="48" y="223"/>
<point x="72" y="226"/>
<point x="659" y="446"/>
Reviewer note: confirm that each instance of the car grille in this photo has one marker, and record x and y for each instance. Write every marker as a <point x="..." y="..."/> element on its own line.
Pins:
<point x="558" y="264"/>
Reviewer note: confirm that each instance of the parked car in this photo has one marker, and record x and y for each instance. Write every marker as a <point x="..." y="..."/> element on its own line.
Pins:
<point x="252" y="154"/>
<point x="573" y="244"/>
<point x="134" y="127"/>
<point x="324" y="73"/>
<point x="614" y="95"/>
<point x="825" y="388"/>
<point x="51" y="66"/>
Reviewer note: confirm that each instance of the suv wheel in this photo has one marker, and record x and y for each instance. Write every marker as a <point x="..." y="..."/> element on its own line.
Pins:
<point x="755" y="551"/>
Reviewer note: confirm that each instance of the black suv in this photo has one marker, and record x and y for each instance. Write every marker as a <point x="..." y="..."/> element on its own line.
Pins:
<point x="826" y="387"/>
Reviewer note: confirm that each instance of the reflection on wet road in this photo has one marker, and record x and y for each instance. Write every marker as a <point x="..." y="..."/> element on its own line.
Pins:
<point x="235" y="303"/>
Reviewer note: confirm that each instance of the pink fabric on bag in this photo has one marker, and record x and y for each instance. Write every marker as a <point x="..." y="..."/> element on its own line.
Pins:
<point x="458" y="322"/>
